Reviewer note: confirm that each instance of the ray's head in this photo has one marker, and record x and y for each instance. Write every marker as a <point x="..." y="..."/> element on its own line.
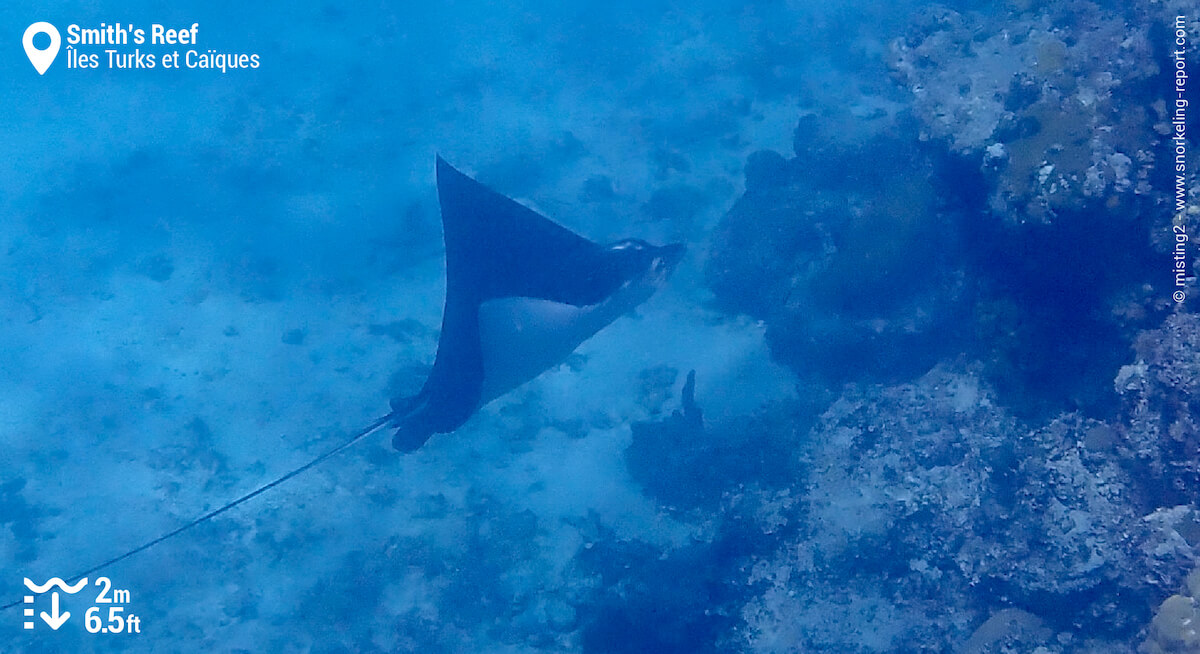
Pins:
<point x="640" y="260"/>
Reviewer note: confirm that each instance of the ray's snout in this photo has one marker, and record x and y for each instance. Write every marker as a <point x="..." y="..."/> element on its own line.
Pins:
<point x="667" y="257"/>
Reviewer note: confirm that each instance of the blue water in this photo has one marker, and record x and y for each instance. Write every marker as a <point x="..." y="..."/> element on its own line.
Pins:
<point x="943" y="397"/>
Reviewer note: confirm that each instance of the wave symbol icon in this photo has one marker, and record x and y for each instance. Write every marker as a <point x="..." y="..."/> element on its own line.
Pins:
<point x="55" y="581"/>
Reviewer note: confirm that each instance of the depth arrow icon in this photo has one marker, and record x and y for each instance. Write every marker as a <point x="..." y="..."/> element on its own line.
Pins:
<point x="53" y="618"/>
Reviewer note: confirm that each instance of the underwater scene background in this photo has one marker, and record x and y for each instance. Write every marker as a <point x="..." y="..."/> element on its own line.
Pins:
<point x="944" y="399"/>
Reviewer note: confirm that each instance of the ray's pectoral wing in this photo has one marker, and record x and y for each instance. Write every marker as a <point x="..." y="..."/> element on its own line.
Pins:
<point x="523" y="337"/>
<point x="495" y="248"/>
<point x="452" y="390"/>
<point x="537" y="288"/>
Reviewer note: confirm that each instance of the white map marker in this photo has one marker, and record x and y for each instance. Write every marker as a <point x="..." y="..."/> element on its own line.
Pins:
<point x="41" y="59"/>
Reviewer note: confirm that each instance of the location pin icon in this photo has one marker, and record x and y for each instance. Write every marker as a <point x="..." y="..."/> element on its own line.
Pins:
<point x="41" y="59"/>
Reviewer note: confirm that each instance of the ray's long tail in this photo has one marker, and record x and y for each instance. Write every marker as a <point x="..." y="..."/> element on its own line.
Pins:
<point x="358" y="436"/>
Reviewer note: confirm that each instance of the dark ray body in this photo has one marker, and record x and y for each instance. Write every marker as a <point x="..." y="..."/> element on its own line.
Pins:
<point x="541" y="279"/>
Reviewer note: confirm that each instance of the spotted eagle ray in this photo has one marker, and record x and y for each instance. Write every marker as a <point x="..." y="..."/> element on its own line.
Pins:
<point x="522" y="292"/>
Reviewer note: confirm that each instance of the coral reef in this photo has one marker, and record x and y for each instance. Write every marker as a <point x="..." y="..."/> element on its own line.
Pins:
<point x="972" y="223"/>
<point x="673" y="459"/>
<point x="1023" y="97"/>
<point x="1176" y="625"/>
<point x="1008" y="630"/>
<point x="1044" y="107"/>
<point x="1159" y="434"/>
<point x="854" y="280"/>
<point x="938" y="279"/>
<point x="935" y="487"/>
<point x="638" y="610"/>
